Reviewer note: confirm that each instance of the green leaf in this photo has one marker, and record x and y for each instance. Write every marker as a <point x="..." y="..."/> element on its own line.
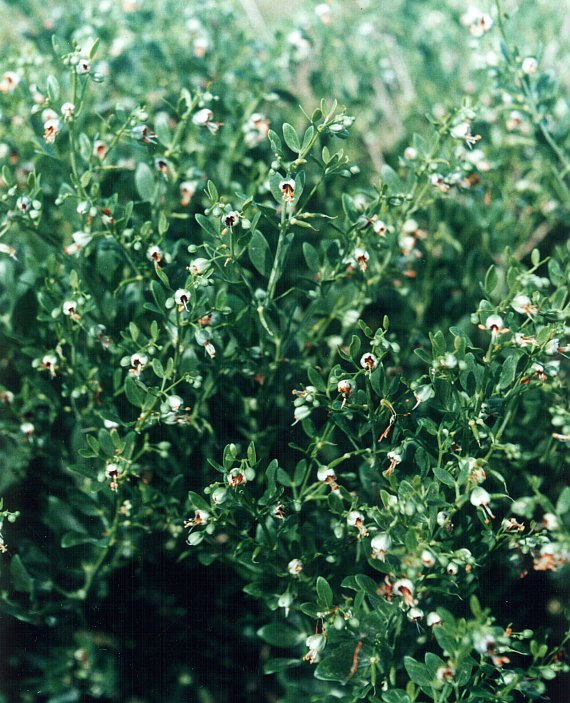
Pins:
<point x="73" y="539"/>
<point x="212" y="191"/>
<point x="475" y="606"/>
<point x="391" y="179"/>
<point x="20" y="577"/>
<point x="144" y="182"/>
<point x="395" y="696"/>
<point x="273" y="666"/>
<point x="94" y="48"/>
<point x="337" y="664"/>
<point x="280" y="635"/>
<point x="508" y="372"/>
<point x="316" y="380"/>
<point x="206" y="224"/>
<point x="311" y="257"/>
<point x="291" y="138"/>
<point x="417" y="672"/>
<point x="163" y="130"/>
<point x="134" y="393"/>
<point x="563" y="502"/>
<point x="309" y="134"/>
<point x="53" y="89"/>
<point x="324" y="593"/>
<point x="259" y="253"/>
<point x="198" y="502"/>
<point x="491" y="280"/>
<point x="444" y="476"/>
<point x="438" y="344"/>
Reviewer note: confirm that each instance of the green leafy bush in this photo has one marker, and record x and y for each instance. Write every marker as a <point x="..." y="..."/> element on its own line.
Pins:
<point x="283" y="388"/>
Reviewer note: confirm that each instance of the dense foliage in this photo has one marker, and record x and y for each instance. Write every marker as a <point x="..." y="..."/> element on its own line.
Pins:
<point x="283" y="389"/>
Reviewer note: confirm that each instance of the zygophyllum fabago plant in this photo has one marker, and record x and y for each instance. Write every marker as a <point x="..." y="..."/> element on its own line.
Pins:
<point x="238" y="342"/>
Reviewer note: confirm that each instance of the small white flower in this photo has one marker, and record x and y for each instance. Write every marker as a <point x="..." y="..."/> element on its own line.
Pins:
<point x="230" y="219"/>
<point x="182" y="297"/>
<point x="433" y="619"/>
<point x="142" y="132"/>
<point x="428" y="558"/>
<point x="481" y="25"/>
<point x="529" y="65"/>
<point x="423" y="393"/>
<point x="514" y="121"/>
<point x="521" y="303"/>
<point x="410" y="154"/>
<point x="445" y="673"/>
<point x="485" y="644"/>
<point x="405" y="589"/>
<point x="7" y="397"/>
<point x="201" y="517"/>
<point x="294" y="567"/>
<point x="163" y="166"/>
<point x="511" y="524"/>
<point x="187" y="190"/>
<point x="550" y="521"/>
<point x="49" y="362"/>
<point x="323" y="12"/>
<point x="175" y="402"/>
<point x="452" y="569"/>
<point x="67" y="110"/>
<point x="219" y="496"/>
<point x="362" y="257"/>
<point x="481" y="499"/>
<point x="27" y="428"/>
<point x="199" y="266"/>
<point x="327" y="475"/>
<point x="83" y="67"/>
<point x="494" y="323"/>
<point x="438" y="181"/>
<point x="112" y="473"/>
<point x="287" y="187"/>
<point x="369" y="361"/>
<point x="51" y="130"/>
<point x="10" y="81"/>
<point x="110" y="424"/>
<point x="237" y="477"/>
<point x="522" y="340"/>
<point x="316" y="644"/>
<point x="200" y="46"/>
<point x="356" y="519"/>
<point x="380" y="544"/>
<point x="284" y="601"/>
<point x="154" y="254"/>
<point x="443" y="518"/>
<point x="415" y="614"/>
<point x="138" y="362"/>
<point x="380" y="228"/>
<point x="204" y="118"/>
<point x="301" y="413"/>
<point x="111" y="470"/>
<point x="552" y="347"/>
<point x="463" y="131"/>
<point x="345" y="388"/>
<point x="7" y="249"/>
<point x="255" y="130"/>
<point x="69" y="308"/>
<point x="100" y="149"/>
<point x="23" y="204"/>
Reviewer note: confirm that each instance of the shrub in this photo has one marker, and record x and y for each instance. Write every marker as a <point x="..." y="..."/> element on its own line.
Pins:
<point x="238" y="342"/>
